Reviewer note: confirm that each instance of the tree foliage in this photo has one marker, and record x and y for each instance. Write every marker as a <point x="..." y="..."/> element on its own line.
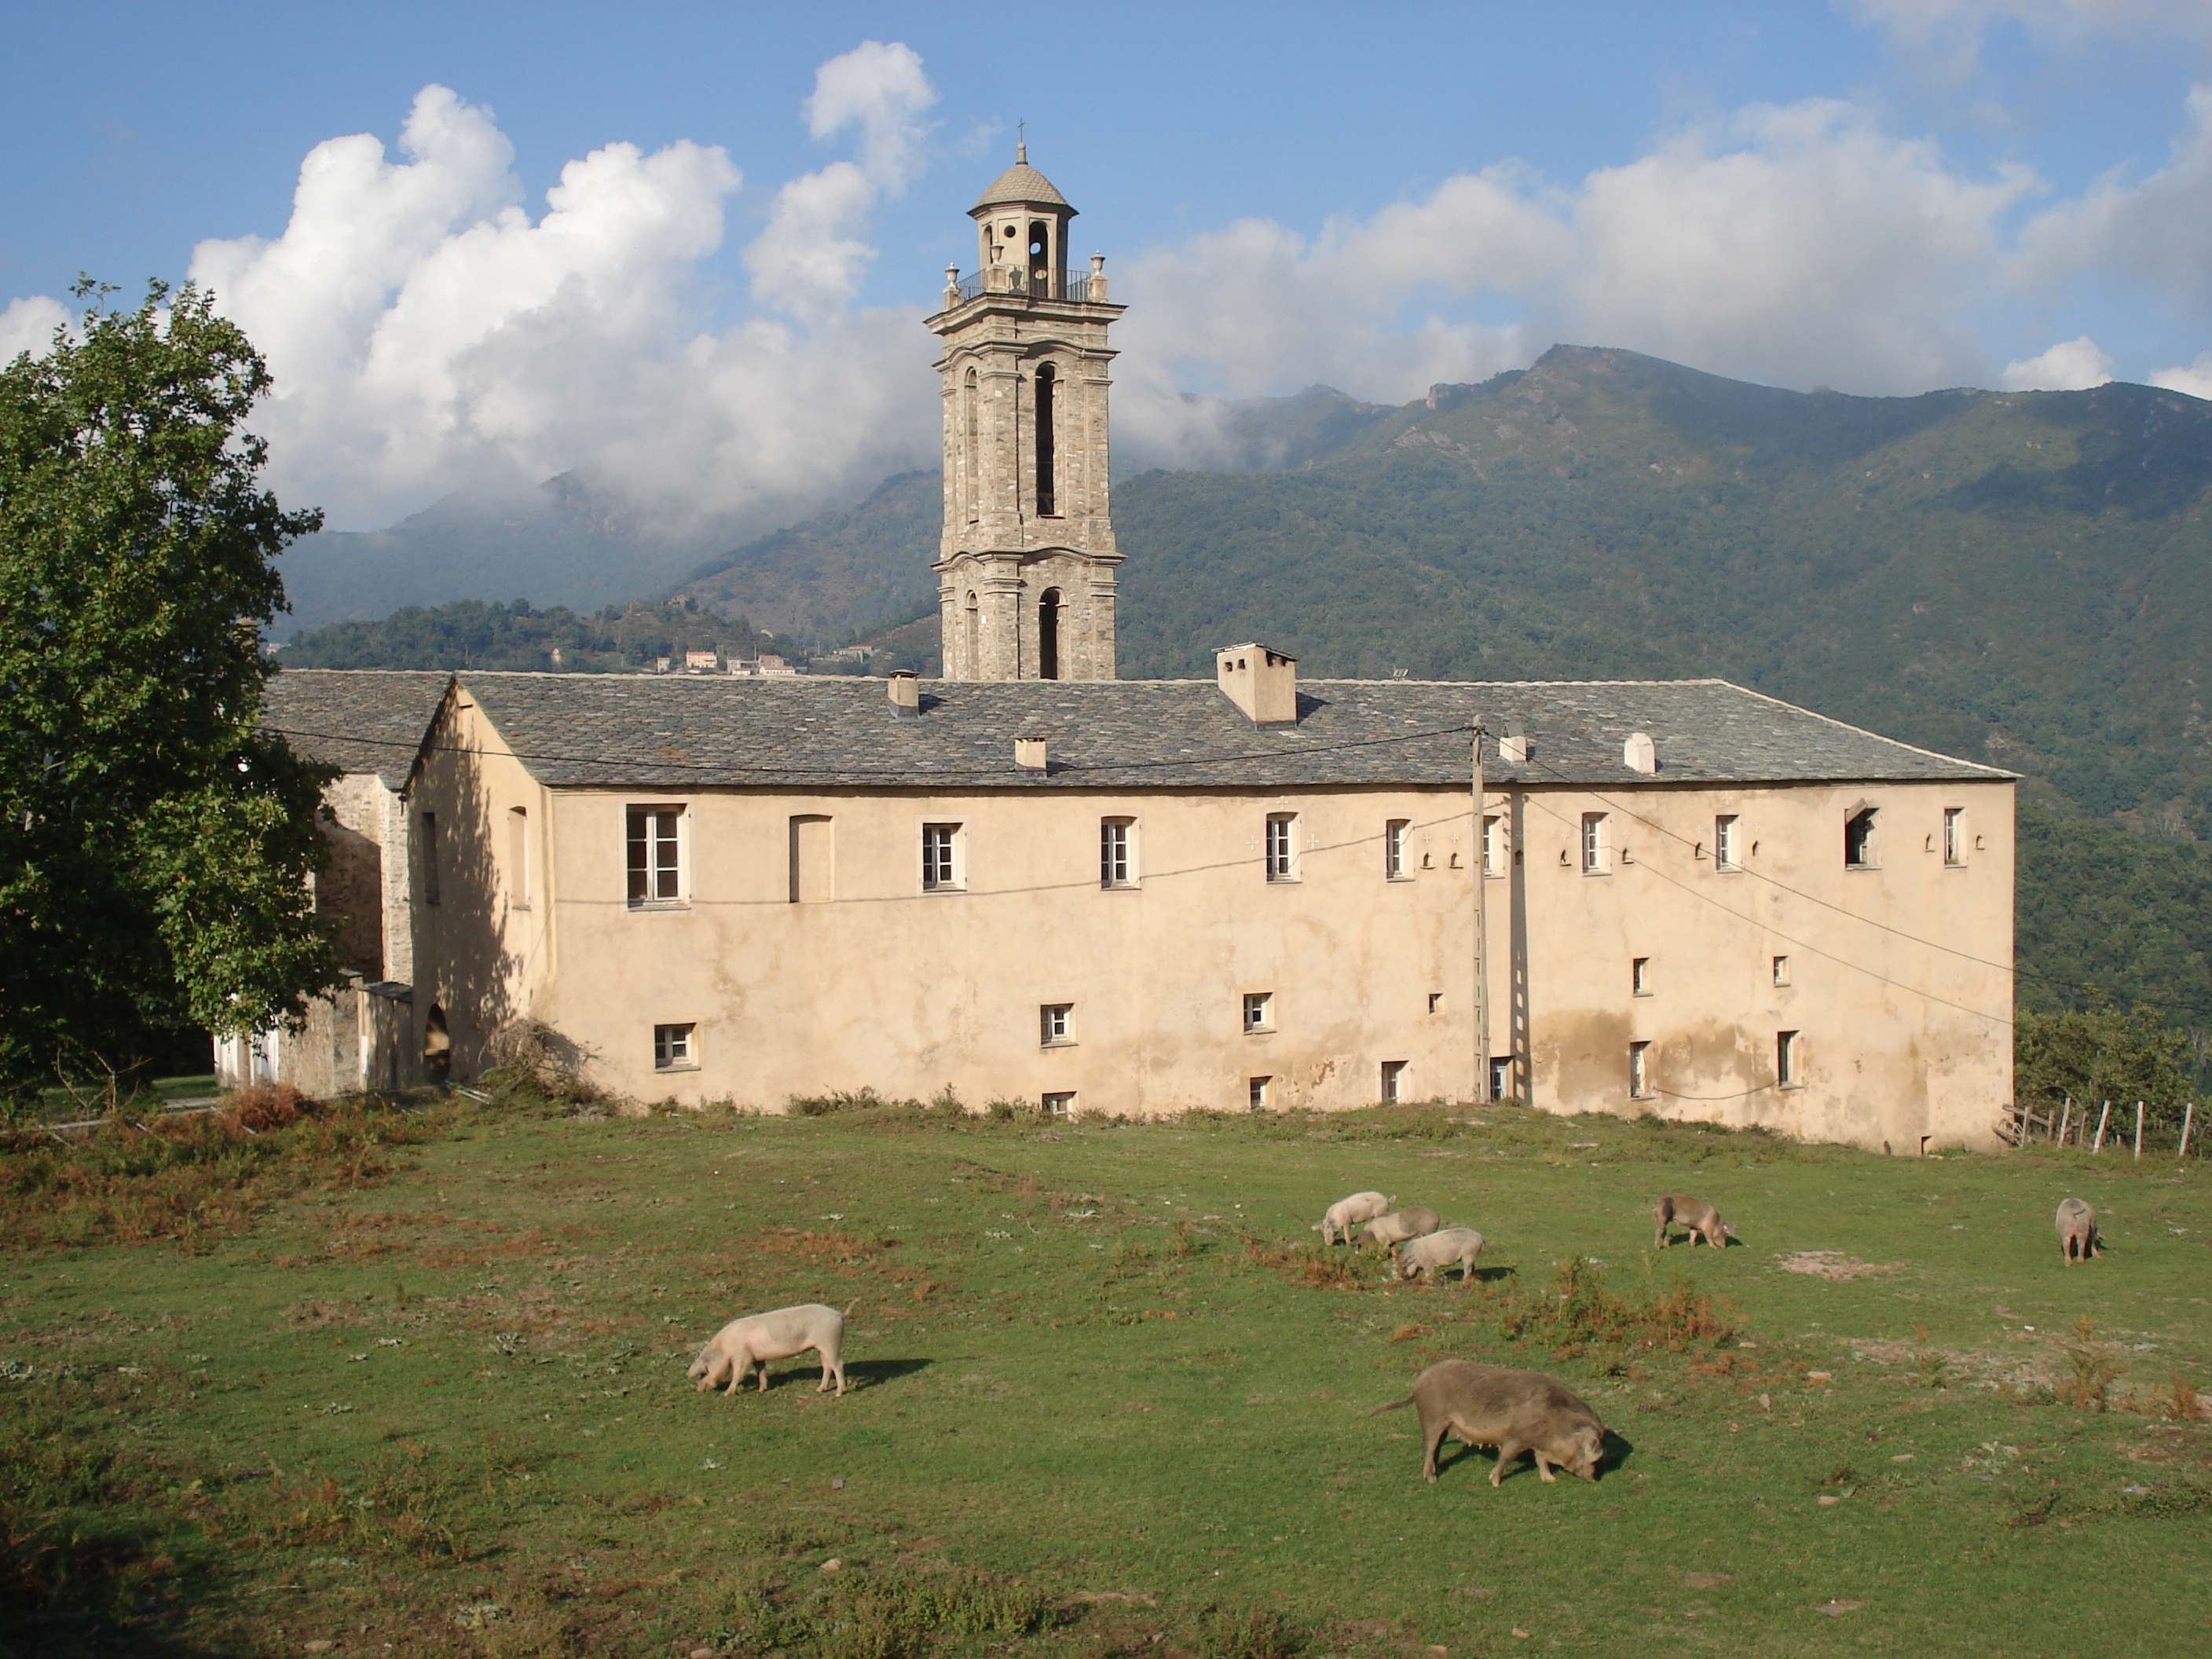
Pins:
<point x="2098" y="1054"/>
<point x="154" y="843"/>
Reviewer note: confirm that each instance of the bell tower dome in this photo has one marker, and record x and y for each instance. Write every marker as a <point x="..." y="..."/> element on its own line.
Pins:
<point x="1025" y="565"/>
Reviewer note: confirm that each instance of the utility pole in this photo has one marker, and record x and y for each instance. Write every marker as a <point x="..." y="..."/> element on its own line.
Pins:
<point x="1480" y="864"/>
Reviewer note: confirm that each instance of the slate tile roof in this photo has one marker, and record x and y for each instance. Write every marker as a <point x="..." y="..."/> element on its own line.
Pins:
<point x="363" y="719"/>
<point x="682" y="732"/>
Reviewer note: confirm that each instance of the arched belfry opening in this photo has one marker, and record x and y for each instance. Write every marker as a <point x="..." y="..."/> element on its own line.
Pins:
<point x="1046" y="384"/>
<point x="1048" y="608"/>
<point x="1040" y="257"/>
<point x="1027" y="564"/>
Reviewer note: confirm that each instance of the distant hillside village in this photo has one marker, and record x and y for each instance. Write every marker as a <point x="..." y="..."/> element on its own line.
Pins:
<point x="1032" y="879"/>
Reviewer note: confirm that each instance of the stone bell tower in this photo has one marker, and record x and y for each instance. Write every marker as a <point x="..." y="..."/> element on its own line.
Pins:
<point x="1025" y="566"/>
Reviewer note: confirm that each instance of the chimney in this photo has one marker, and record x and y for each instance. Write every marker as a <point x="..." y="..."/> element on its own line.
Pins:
<point x="906" y="696"/>
<point x="1030" y="754"/>
<point x="1640" y="754"/>
<point x="1513" y="746"/>
<point x="1262" y="683"/>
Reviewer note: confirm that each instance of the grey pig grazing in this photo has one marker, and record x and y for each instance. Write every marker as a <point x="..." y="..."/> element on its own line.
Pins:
<point x="1347" y="1213"/>
<point x="1399" y="1225"/>
<point x="1513" y="1410"/>
<point x="1700" y="1217"/>
<point x="1431" y="1253"/>
<point x="2077" y="1230"/>
<point x="730" y="1352"/>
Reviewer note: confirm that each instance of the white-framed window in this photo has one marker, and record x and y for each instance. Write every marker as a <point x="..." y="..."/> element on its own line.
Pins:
<point x="675" y="1048"/>
<point x="1494" y="846"/>
<point x="1858" y="840"/>
<point x="430" y="858"/>
<point x="518" y="857"/>
<point x="1639" y="976"/>
<point x="1597" y="844"/>
<point x="1282" y="847"/>
<point x="1053" y="1024"/>
<point x="1789" y="1061"/>
<point x="1259" y="1010"/>
<point x="1727" y="851"/>
<point x="1640" y="1070"/>
<point x="1117" y="851"/>
<point x="1394" y="850"/>
<point x="1392" y="1081"/>
<point x="1501" y="1077"/>
<point x="1255" y="1092"/>
<point x="1781" y="971"/>
<point x="656" y="855"/>
<point x="944" y="858"/>
<point x="1060" y="1104"/>
<point x="1954" y="835"/>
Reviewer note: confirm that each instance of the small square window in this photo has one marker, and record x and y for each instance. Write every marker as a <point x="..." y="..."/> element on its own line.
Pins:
<point x="1639" y="976"/>
<point x="1727" y="853"/>
<point x="1597" y="844"/>
<point x="1256" y="1093"/>
<point x="1788" y="1061"/>
<point x="1282" y="847"/>
<point x="1394" y="1080"/>
<point x="1954" y="835"/>
<point x="1059" y="1105"/>
<point x="1394" y="850"/>
<point x="1781" y="971"/>
<point x="1640" y="1070"/>
<point x="1259" y="1010"/>
<point x="1435" y="1001"/>
<point x="943" y="866"/>
<point x="1117" y="852"/>
<point x="673" y="1048"/>
<point x="1053" y="1024"/>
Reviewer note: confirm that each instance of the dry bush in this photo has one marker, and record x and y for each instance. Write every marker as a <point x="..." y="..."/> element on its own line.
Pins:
<point x="1581" y="1310"/>
<point x="1308" y="1264"/>
<point x="530" y="1053"/>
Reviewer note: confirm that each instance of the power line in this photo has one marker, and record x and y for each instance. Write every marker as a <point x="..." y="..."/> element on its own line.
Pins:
<point x="1871" y="973"/>
<point x="2196" y="1009"/>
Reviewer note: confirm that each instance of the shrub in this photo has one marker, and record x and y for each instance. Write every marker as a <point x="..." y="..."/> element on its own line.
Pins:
<point x="1581" y="1310"/>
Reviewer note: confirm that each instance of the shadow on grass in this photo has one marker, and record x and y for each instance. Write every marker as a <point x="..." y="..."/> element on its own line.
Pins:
<point x="858" y="1374"/>
<point x="88" y="1636"/>
<point x="1619" y="1449"/>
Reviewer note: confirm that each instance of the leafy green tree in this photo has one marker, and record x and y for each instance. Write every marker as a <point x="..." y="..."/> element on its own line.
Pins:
<point x="155" y="843"/>
<point x="2098" y="1054"/>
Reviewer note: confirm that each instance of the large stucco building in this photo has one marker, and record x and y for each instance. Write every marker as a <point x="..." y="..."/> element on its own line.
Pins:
<point x="1031" y="880"/>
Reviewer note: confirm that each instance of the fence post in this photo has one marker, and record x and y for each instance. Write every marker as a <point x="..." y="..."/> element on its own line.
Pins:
<point x="2187" y="1113"/>
<point x="2139" y="1106"/>
<point x="2059" y="1140"/>
<point x="2103" y="1118"/>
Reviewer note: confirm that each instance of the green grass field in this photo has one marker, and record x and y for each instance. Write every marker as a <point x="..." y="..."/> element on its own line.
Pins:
<point x="429" y="1397"/>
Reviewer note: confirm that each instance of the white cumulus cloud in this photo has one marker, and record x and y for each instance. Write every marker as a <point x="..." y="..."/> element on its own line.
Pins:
<point x="28" y="324"/>
<point x="1794" y="244"/>
<point x="425" y="332"/>
<point x="2072" y="365"/>
<point x="2195" y="379"/>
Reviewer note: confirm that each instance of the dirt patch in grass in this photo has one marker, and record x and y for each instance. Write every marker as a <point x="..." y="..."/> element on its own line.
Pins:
<point x="1834" y="1265"/>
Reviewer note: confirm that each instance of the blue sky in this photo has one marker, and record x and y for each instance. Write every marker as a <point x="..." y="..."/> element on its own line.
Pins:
<point x="719" y="313"/>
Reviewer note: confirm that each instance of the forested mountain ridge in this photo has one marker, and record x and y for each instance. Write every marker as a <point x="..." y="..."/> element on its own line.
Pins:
<point x="2014" y="576"/>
